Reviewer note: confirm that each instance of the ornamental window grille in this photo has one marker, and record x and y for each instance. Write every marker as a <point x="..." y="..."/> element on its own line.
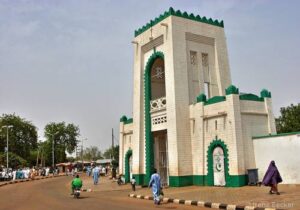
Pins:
<point x="193" y="57"/>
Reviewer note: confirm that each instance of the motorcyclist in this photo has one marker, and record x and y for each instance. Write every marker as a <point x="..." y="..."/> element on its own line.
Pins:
<point x="120" y="180"/>
<point x="76" y="184"/>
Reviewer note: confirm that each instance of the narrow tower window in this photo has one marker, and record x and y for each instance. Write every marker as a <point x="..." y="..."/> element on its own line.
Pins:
<point x="205" y="67"/>
<point x="206" y="89"/>
<point x="193" y="77"/>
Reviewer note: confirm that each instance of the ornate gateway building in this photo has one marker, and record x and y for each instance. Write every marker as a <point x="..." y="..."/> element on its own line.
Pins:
<point x="189" y="121"/>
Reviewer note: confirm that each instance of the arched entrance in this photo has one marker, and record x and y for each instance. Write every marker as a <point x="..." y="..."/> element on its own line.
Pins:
<point x="217" y="164"/>
<point x="154" y="87"/>
<point x="128" y="166"/>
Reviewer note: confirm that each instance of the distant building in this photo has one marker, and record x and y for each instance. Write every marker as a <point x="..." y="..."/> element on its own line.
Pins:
<point x="104" y="162"/>
<point x="189" y="121"/>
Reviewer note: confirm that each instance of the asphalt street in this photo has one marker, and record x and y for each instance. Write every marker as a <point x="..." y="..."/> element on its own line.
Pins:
<point x="50" y="194"/>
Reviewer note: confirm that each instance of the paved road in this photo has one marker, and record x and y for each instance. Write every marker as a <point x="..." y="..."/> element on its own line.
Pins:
<point x="50" y="194"/>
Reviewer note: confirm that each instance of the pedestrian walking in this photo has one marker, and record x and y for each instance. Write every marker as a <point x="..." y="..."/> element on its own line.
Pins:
<point x="272" y="178"/>
<point x="106" y="170"/>
<point x="133" y="183"/>
<point x="47" y="171"/>
<point x="14" y="174"/>
<point x="155" y="184"/>
<point x="96" y="173"/>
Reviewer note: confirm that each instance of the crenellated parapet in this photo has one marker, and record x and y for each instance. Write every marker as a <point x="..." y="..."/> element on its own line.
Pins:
<point x="126" y="120"/>
<point x="231" y="90"/>
<point x="181" y="14"/>
<point x="234" y="90"/>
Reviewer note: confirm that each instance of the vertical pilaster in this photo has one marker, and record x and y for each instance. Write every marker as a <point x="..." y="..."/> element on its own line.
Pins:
<point x="121" y="148"/>
<point x="138" y="113"/>
<point x="179" y="104"/>
<point x="271" y="118"/>
<point x="198" y="147"/>
<point x="235" y="143"/>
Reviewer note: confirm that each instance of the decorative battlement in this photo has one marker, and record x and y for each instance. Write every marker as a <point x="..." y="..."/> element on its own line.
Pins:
<point x="234" y="90"/>
<point x="125" y="120"/>
<point x="178" y="13"/>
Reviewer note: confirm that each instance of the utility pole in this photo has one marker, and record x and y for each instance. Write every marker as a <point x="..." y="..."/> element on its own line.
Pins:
<point x="82" y="152"/>
<point x="112" y="144"/>
<point x="53" y="165"/>
<point x="7" y="127"/>
<point x="52" y="135"/>
<point x="37" y="158"/>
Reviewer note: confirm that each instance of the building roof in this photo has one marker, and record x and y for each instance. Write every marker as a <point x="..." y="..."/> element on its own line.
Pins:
<point x="101" y="161"/>
<point x="64" y="164"/>
<point x="178" y="13"/>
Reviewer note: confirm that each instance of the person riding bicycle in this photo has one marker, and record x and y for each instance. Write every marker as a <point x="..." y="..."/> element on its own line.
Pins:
<point x="76" y="184"/>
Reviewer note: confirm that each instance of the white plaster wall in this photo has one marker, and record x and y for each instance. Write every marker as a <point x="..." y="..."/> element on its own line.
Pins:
<point x="284" y="150"/>
<point x="126" y="142"/>
<point x="257" y="118"/>
<point x="253" y="125"/>
<point x="252" y="106"/>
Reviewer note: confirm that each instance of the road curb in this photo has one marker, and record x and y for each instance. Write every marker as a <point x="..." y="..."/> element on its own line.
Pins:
<point x="202" y="203"/>
<point x="27" y="180"/>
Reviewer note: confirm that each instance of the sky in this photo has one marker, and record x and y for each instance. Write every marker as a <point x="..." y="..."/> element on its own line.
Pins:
<point x="72" y="60"/>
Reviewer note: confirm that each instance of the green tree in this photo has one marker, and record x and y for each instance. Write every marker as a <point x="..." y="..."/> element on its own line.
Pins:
<point x="109" y="153"/>
<point x="289" y="121"/>
<point x="15" y="161"/>
<point x="92" y="153"/>
<point x="22" y="136"/>
<point x="64" y="138"/>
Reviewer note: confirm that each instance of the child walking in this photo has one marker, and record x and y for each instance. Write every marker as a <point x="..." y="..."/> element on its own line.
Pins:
<point x="133" y="183"/>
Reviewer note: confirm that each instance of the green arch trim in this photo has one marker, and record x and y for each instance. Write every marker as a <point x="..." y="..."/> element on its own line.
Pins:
<point x="210" y="173"/>
<point x="147" y="97"/>
<point x="127" y="173"/>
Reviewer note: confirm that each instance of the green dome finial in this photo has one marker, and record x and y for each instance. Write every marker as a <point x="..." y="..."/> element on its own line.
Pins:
<point x="201" y="98"/>
<point x="123" y="118"/>
<point x="265" y="93"/>
<point x="231" y="90"/>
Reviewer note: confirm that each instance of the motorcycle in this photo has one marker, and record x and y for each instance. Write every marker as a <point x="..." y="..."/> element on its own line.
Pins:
<point x="120" y="180"/>
<point x="76" y="193"/>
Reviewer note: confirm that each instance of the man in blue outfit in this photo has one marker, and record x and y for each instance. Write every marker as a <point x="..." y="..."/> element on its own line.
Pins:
<point x="96" y="174"/>
<point x="156" y="186"/>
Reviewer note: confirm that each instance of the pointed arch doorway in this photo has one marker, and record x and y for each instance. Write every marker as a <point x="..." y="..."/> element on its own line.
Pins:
<point x="218" y="164"/>
<point x="128" y="166"/>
